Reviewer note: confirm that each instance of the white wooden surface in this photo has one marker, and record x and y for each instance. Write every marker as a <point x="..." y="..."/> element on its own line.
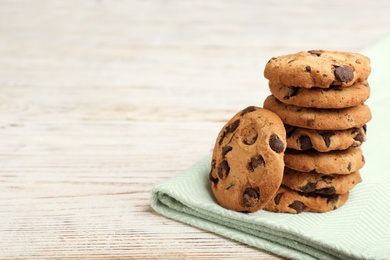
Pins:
<point x="100" y="100"/>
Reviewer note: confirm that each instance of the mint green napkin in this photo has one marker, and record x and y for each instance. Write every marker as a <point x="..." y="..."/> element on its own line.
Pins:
<point x="358" y="230"/>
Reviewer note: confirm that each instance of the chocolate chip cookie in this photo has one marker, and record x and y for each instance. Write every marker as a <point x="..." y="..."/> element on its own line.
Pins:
<point x="333" y="162"/>
<point x="290" y="201"/>
<point x="324" y="140"/>
<point x="324" y="184"/>
<point x="247" y="163"/>
<point x="332" y="97"/>
<point x="321" y="119"/>
<point x="318" y="68"/>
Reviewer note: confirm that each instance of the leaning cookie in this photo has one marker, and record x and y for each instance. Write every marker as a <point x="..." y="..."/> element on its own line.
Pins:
<point x="318" y="68"/>
<point x="333" y="162"/>
<point x="332" y="97"/>
<point x="321" y="119"/>
<point x="311" y="182"/>
<point x="324" y="140"/>
<point x="290" y="201"/>
<point x="247" y="163"/>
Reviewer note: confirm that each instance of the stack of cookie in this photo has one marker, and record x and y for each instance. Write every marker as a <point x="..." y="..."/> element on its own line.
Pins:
<point x="319" y="96"/>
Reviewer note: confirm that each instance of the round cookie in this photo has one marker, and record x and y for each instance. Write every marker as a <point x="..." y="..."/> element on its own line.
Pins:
<point x="318" y="68"/>
<point x="309" y="182"/>
<point x="332" y="97"/>
<point x="333" y="162"/>
<point x="324" y="140"/>
<point x="247" y="163"/>
<point x="321" y="119"/>
<point x="290" y="201"/>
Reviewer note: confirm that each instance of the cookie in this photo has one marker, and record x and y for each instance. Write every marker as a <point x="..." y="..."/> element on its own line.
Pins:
<point x="318" y="68"/>
<point x="309" y="182"/>
<point x="290" y="201"/>
<point x="332" y="97"/>
<point x="333" y="162"/>
<point x="321" y="119"/>
<point x="247" y="163"/>
<point x="324" y="140"/>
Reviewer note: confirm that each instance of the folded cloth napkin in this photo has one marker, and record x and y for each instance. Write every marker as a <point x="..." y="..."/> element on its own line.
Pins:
<point x="358" y="230"/>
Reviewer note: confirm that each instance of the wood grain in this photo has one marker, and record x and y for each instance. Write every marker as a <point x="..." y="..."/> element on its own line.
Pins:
<point x="100" y="100"/>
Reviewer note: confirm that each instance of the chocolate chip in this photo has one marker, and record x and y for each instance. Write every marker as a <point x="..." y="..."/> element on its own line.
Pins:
<point x="290" y="130"/>
<point x="212" y="179"/>
<point x="251" y="197"/>
<point x="349" y="166"/>
<point x="324" y="75"/>
<point x="309" y="187"/>
<point x="297" y="205"/>
<point x="305" y="142"/>
<point x="225" y="150"/>
<point x="276" y="144"/>
<point x="229" y="129"/>
<point x="359" y="137"/>
<point x="293" y="91"/>
<point x="326" y="191"/>
<point x="277" y="198"/>
<point x="223" y="169"/>
<point x="326" y="137"/>
<point x="344" y="73"/>
<point x="256" y="162"/>
<point x="327" y="178"/>
<point x="333" y="199"/>
<point x="248" y="110"/>
<point x="315" y="52"/>
<point x="308" y="68"/>
<point x="365" y="128"/>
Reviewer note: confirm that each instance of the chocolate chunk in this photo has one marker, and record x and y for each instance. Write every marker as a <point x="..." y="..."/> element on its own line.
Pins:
<point x="290" y="130"/>
<point x="327" y="178"/>
<point x="293" y="91"/>
<point x="248" y="110"/>
<point x="308" y="68"/>
<point x="276" y="144"/>
<point x="326" y="137"/>
<point x="229" y="129"/>
<point x="333" y="199"/>
<point x="277" y="198"/>
<point x="256" y="162"/>
<point x="225" y="150"/>
<point x="223" y="169"/>
<point x="305" y="142"/>
<point x="344" y="73"/>
<point x="326" y="191"/>
<point x="309" y="187"/>
<point x="315" y="52"/>
<point x="349" y="166"/>
<point x="297" y="205"/>
<point x="251" y="197"/>
<point x="212" y="179"/>
<point x="359" y="137"/>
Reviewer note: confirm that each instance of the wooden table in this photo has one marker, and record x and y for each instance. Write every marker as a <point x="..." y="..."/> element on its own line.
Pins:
<point x="100" y="100"/>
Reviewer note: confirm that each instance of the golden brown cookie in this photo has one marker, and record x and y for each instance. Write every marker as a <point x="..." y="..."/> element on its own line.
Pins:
<point x="333" y="162"/>
<point x="321" y="119"/>
<point x="290" y="201"/>
<point x="247" y="163"/>
<point x="318" y="68"/>
<point x="324" y="140"/>
<point x="332" y="97"/>
<point x="324" y="184"/>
